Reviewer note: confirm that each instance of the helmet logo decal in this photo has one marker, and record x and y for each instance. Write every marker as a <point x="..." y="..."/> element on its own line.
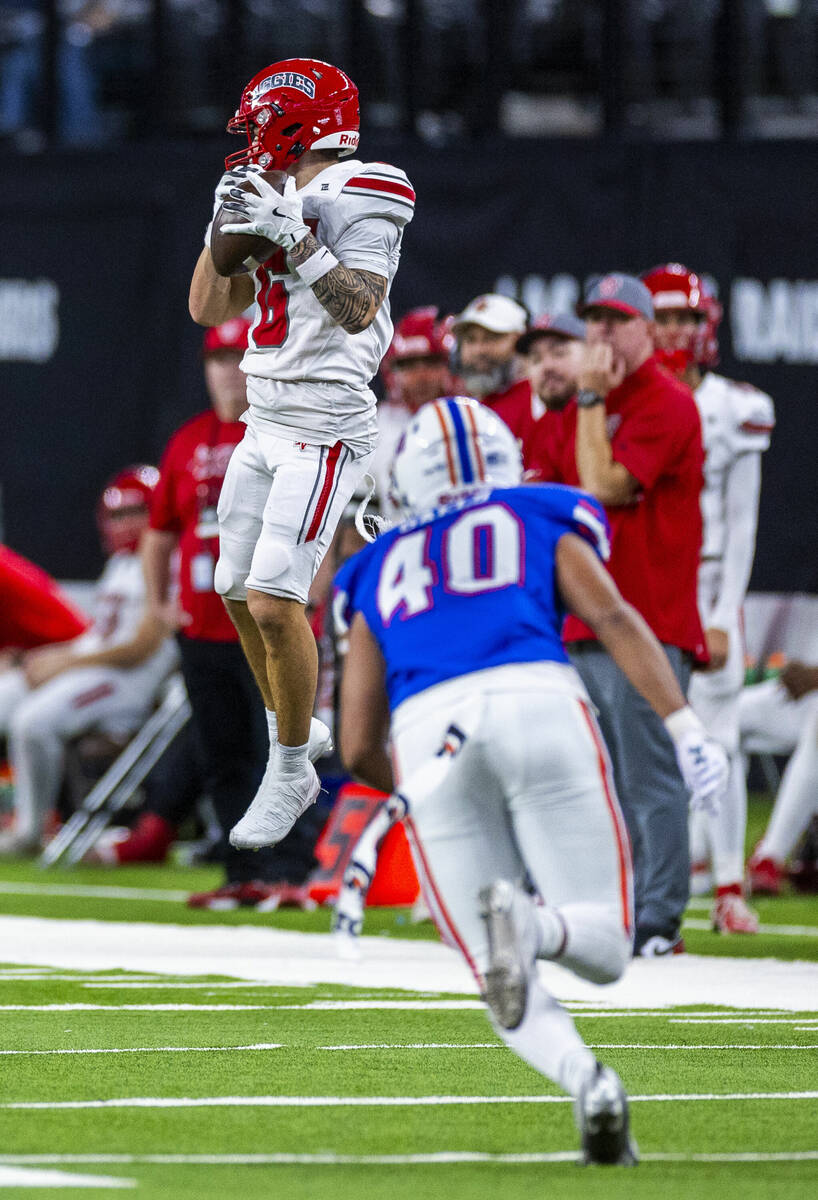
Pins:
<point x="287" y="79"/>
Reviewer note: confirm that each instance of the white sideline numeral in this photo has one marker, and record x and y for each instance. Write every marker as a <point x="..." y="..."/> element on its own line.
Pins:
<point x="406" y="579"/>
<point x="482" y="551"/>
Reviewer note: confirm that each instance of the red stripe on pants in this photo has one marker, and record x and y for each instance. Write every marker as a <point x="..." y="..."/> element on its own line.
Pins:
<point x="428" y="881"/>
<point x="318" y="515"/>
<point x="620" y="832"/>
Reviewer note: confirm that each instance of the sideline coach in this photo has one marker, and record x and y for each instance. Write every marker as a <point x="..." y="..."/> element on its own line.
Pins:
<point x="633" y="439"/>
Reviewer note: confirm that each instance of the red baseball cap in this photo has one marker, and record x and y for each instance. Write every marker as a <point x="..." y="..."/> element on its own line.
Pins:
<point x="230" y="335"/>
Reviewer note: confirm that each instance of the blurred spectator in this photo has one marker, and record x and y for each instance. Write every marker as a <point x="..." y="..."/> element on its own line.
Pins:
<point x="415" y="369"/>
<point x="33" y="610"/>
<point x="22" y="29"/>
<point x="227" y="710"/>
<point x="106" y="679"/>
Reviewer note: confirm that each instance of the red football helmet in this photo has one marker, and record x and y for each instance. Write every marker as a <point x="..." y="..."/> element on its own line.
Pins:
<point x="420" y="337"/>
<point x="123" y="507"/>
<point x="673" y="286"/>
<point x="292" y="106"/>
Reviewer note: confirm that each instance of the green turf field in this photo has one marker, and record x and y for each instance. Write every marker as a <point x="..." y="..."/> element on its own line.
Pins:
<point x="178" y="1083"/>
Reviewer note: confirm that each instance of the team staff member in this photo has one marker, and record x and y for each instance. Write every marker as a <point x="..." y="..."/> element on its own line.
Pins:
<point x="633" y="439"/>
<point x="486" y="334"/>
<point x="227" y="708"/>
<point x="552" y="353"/>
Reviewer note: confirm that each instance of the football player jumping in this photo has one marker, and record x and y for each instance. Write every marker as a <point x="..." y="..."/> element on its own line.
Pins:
<point x="320" y="327"/>
<point x="737" y="420"/>
<point x="454" y="623"/>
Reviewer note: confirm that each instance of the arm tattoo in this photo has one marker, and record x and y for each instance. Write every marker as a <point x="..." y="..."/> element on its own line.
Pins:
<point x="352" y="298"/>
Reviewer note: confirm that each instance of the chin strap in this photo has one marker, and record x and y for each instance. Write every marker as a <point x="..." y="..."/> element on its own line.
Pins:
<point x="370" y="525"/>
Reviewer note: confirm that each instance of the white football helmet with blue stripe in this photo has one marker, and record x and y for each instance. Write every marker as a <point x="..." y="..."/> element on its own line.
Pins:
<point x="452" y="446"/>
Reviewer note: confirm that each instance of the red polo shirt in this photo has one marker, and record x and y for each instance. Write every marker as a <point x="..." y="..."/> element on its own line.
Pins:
<point x="655" y="432"/>
<point x="519" y="408"/>
<point x="33" y="610"/>
<point x="191" y="476"/>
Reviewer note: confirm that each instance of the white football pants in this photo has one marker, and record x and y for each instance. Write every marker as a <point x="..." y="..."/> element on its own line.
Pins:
<point x="772" y="723"/>
<point x="527" y="790"/>
<point x="39" y="722"/>
<point x="714" y="695"/>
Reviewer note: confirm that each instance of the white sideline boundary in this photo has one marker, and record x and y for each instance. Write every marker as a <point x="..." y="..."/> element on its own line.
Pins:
<point x="375" y="1101"/>
<point x="287" y="958"/>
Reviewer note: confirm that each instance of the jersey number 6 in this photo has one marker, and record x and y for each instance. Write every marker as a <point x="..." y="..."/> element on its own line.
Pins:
<point x="482" y="551"/>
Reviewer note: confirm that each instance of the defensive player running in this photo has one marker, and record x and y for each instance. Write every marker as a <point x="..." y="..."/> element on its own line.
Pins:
<point x="455" y="619"/>
<point x="737" y="421"/>
<point x="320" y="328"/>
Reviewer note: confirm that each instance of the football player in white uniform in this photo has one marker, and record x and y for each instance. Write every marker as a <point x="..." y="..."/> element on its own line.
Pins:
<point x="737" y="420"/>
<point x="106" y="679"/>
<point x="320" y="327"/>
<point x="415" y="370"/>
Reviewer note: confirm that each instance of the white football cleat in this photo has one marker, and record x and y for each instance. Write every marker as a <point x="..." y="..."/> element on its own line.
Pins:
<point x="277" y="806"/>
<point x="513" y="941"/>
<point x="601" y="1114"/>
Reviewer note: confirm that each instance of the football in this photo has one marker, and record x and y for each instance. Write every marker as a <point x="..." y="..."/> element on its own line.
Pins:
<point x="230" y="250"/>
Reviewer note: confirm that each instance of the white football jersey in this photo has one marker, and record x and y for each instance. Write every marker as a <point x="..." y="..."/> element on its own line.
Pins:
<point x="118" y="604"/>
<point x="736" y="419"/>
<point x="357" y="210"/>
<point x="392" y="420"/>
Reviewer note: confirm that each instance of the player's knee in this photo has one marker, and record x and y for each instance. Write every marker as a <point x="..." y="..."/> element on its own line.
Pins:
<point x="229" y="582"/>
<point x="611" y="964"/>
<point x="27" y="729"/>
<point x="272" y="614"/>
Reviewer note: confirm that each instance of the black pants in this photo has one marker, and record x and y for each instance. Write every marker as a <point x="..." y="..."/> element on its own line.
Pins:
<point x="228" y="715"/>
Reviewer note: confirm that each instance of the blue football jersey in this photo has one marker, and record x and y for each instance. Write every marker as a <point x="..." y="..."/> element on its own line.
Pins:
<point x="469" y="587"/>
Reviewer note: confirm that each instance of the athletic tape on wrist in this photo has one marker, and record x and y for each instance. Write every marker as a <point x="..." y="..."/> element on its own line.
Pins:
<point x="683" y="721"/>
<point x="316" y="266"/>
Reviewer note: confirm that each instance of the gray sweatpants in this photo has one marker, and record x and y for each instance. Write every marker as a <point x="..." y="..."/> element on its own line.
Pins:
<point x="653" y="797"/>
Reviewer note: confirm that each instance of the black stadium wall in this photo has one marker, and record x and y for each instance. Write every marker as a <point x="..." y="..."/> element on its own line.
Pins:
<point x="99" y="360"/>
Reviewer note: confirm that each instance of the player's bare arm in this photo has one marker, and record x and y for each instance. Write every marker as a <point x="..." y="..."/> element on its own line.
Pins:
<point x="352" y="298"/>
<point x="590" y="592"/>
<point x="215" y="298"/>
<point x="364" y="710"/>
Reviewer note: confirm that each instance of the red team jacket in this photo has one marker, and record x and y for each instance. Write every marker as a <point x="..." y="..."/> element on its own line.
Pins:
<point x="184" y="503"/>
<point x="655" y="432"/>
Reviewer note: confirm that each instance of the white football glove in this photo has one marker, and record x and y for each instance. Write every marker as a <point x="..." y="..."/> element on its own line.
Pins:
<point x="702" y="761"/>
<point x="229" y="180"/>
<point x="268" y="213"/>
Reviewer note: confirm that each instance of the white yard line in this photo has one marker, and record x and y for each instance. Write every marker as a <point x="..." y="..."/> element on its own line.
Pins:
<point x="113" y="1008"/>
<point x="286" y="958"/>
<point x="25" y="1177"/>
<point x="155" y="1049"/>
<point x="91" y="891"/>
<point x="375" y="1101"/>
<point x="592" y="1045"/>
<point x="804" y="1022"/>
<point x="438" y="1158"/>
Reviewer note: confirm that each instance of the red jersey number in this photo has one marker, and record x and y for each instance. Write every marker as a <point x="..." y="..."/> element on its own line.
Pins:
<point x="274" y="322"/>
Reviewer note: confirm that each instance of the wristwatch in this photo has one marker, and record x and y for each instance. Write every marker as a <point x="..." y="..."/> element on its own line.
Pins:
<point x="588" y="399"/>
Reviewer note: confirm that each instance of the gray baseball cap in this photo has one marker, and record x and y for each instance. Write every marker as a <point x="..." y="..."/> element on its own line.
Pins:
<point x="564" y="325"/>
<point x="624" y="293"/>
